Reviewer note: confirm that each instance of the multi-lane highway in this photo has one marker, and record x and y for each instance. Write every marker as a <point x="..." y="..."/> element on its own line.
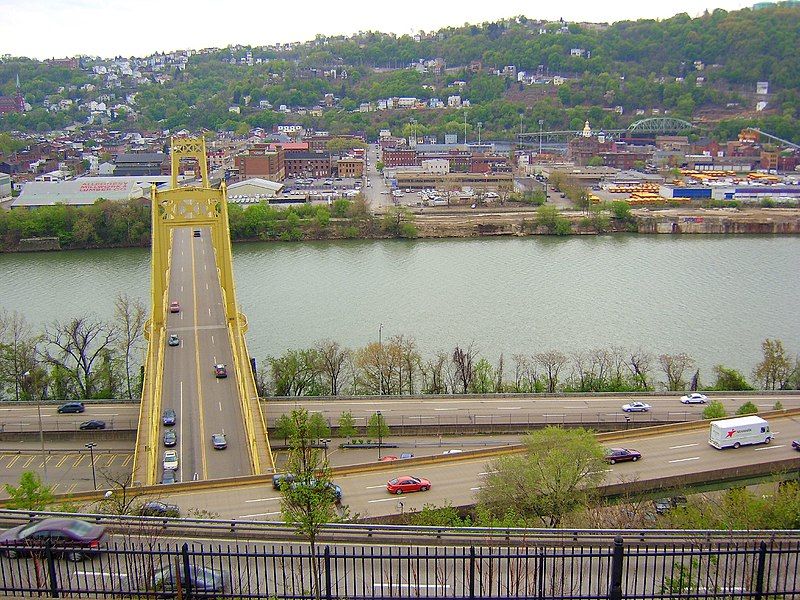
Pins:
<point x="204" y="403"/>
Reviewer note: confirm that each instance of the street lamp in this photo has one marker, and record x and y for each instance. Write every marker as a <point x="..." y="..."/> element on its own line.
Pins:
<point x="91" y="447"/>
<point x="31" y="384"/>
<point x="480" y="124"/>
<point x="380" y="432"/>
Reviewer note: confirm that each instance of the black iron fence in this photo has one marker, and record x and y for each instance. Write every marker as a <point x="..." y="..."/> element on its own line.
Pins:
<point x="614" y="570"/>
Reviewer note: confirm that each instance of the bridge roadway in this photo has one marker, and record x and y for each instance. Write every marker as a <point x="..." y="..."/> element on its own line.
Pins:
<point x="204" y="404"/>
<point x="458" y="479"/>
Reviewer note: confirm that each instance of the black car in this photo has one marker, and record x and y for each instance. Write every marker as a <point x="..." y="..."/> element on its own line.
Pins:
<point x="72" y="538"/>
<point x="93" y="424"/>
<point x="796" y="445"/>
<point x="168" y="476"/>
<point x="202" y="581"/>
<point x="615" y="455"/>
<point x="219" y="441"/>
<point x="196" y="233"/>
<point x="169" y="417"/>
<point x="170" y="438"/>
<point x="664" y="505"/>
<point x="72" y="407"/>
<point x="154" y="508"/>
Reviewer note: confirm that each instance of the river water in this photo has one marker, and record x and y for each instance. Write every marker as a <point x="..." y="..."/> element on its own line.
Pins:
<point x="713" y="297"/>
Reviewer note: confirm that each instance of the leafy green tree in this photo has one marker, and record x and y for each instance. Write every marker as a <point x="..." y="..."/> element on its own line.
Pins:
<point x="318" y="426"/>
<point x="730" y="380"/>
<point x="30" y="494"/>
<point x="284" y="427"/>
<point x="347" y="425"/>
<point x="714" y="410"/>
<point x="556" y="476"/>
<point x="748" y="408"/>
<point x="621" y="210"/>
<point x="377" y="427"/>
<point x="775" y="368"/>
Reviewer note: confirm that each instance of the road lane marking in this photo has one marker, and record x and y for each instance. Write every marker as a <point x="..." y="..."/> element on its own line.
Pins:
<point x="439" y="409"/>
<point x="78" y="461"/>
<point x="682" y="446"/>
<point x="263" y="499"/>
<point x="677" y="460"/>
<point x="202" y="417"/>
<point x="127" y="460"/>
<point x="181" y="288"/>
<point x="771" y="447"/>
<point x="212" y="339"/>
<point x="13" y="460"/>
<point x="488" y="472"/>
<point x="561" y="415"/>
<point x="383" y="499"/>
<point x="28" y="462"/>
<point x="209" y="311"/>
<point x="475" y="489"/>
<point x="509" y="408"/>
<point x="269" y="514"/>
<point x="374" y="487"/>
<point x="180" y="441"/>
<point x="61" y="462"/>
<point x="220" y="406"/>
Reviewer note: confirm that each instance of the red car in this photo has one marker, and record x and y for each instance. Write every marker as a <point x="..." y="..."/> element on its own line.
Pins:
<point x="406" y="483"/>
<point x="220" y="371"/>
<point x="388" y="458"/>
<point x="615" y="455"/>
<point x="174" y="306"/>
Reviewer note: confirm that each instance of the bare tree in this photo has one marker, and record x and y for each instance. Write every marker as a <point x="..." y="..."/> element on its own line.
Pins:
<point x="674" y="366"/>
<point x="79" y="344"/>
<point x="434" y="380"/>
<point x="131" y="315"/>
<point x="524" y="373"/>
<point x="333" y="359"/>
<point x="552" y="362"/>
<point x="463" y="361"/>
<point x="18" y="348"/>
<point x="410" y="361"/>
<point x="776" y="367"/>
<point x="639" y="363"/>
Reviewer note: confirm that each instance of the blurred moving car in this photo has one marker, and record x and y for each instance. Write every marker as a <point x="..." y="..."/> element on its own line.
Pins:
<point x="279" y="478"/>
<point x="405" y="455"/>
<point x="407" y="483"/>
<point x="615" y="455"/>
<point x="220" y="371"/>
<point x="71" y="538"/>
<point x="636" y="407"/>
<point x="170" y="459"/>
<point x="155" y="508"/>
<point x="387" y="458"/>
<point x="796" y="445"/>
<point x="218" y="440"/>
<point x="168" y="477"/>
<point x="202" y="581"/>
<point x="173" y="340"/>
<point x="174" y="306"/>
<point x="170" y="438"/>
<point x="169" y="417"/>
<point x="72" y="407"/>
<point x="694" y="398"/>
<point x="453" y="451"/>
<point x="93" y="424"/>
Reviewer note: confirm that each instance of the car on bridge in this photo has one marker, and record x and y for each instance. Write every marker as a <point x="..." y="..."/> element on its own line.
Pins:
<point x="218" y="441"/>
<point x="220" y="371"/>
<point x="173" y="340"/>
<point x="636" y="407"/>
<point x="174" y="306"/>
<point x="72" y="407"/>
<point x="72" y="538"/>
<point x="196" y="233"/>
<point x="155" y="508"/>
<point x="615" y="455"/>
<point x="796" y="445"/>
<point x="93" y="424"/>
<point x="170" y="438"/>
<point x="694" y="398"/>
<point x="169" y="417"/>
<point x="406" y="483"/>
<point x="168" y="477"/>
<point x="171" y="460"/>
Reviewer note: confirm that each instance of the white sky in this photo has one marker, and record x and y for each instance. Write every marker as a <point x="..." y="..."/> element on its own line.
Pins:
<point x="59" y="28"/>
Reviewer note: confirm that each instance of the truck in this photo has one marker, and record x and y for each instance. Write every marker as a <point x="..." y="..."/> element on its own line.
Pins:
<point x="732" y="433"/>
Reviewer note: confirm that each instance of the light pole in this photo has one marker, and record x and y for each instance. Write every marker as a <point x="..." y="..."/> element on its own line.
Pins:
<point x="480" y="124"/>
<point x="380" y="432"/>
<point x="541" y="125"/>
<point x="32" y="385"/>
<point x="91" y="446"/>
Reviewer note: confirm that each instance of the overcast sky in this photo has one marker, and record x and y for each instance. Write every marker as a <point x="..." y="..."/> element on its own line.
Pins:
<point x="59" y="28"/>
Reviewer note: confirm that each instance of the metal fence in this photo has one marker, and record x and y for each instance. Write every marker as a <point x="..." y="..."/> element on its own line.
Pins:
<point x="615" y="570"/>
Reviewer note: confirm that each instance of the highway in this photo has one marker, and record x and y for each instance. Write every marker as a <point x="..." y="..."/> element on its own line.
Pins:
<point x="204" y="404"/>
<point x="457" y="480"/>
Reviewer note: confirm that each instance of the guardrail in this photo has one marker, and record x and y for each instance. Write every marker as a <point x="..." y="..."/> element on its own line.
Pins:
<point x="64" y="426"/>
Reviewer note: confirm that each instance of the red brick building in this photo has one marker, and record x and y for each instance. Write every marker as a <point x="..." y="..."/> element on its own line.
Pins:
<point x="261" y="162"/>
<point x="308" y="164"/>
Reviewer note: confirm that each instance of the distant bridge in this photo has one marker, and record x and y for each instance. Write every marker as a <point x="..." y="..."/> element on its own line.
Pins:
<point x="647" y="127"/>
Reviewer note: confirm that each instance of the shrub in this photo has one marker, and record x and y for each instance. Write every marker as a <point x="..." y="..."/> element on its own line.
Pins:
<point x="714" y="410"/>
<point x="748" y="408"/>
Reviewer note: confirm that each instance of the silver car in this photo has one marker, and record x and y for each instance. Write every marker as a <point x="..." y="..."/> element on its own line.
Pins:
<point x="636" y="407"/>
<point x="694" y="398"/>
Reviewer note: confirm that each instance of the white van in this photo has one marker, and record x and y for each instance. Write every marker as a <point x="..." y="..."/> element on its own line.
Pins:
<point x="732" y="433"/>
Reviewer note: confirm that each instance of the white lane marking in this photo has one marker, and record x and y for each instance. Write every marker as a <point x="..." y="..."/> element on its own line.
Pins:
<point x="374" y="487"/>
<point x="440" y="409"/>
<point x="561" y="415"/>
<point x="206" y="287"/>
<point x="682" y="446"/>
<point x="181" y="288"/>
<point x="269" y="514"/>
<point x="488" y="472"/>
<point x="181" y="269"/>
<point x="614" y="414"/>
<point x="263" y="499"/>
<point x="771" y="447"/>
<point x="209" y="311"/>
<point x="509" y="408"/>
<point x="474" y="489"/>
<point x="677" y="460"/>
<point x="212" y="338"/>
<point x="383" y="499"/>
<point x="205" y="267"/>
<point x="180" y="441"/>
<point x="220" y="406"/>
<point x="409" y="416"/>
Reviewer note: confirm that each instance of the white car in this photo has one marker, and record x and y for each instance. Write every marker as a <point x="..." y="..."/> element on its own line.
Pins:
<point x="453" y="451"/>
<point x="170" y="460"/>
<point x="636" y="407"/>
<point x="694" y="398"/>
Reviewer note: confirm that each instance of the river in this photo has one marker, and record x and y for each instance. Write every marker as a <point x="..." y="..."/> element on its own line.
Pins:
<point x="714" y="297"/>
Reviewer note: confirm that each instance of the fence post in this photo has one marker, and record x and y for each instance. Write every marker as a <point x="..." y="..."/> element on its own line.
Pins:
<point x="615" y="590"/>
<point x="472" y="571"/>
<point x="51" y="569"/>
<point x="187" y="576"/>
<point x="762" y="559"/>
<point x="328" y="572"/>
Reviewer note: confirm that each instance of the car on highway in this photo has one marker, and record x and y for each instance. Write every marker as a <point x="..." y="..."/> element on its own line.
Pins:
<point x="453" y="451"/>
<point x="636" y="407"/>
<point x="615" y="455"/>
<point x="174" y="306"/>
<point x="170" y="438"/>
<point x="279" y="478"/>
<point x="796" y="445"/>
<point x="202" y="582"/>
<point x="196" y="233"/>
<point x="220" y="371"/>
<point x="71" y="538"/>
<point x="406" y="483"/>
<point x="93" y="424"/>
<point x="72" y="407"/>
<point x="169" y="417"/>
<point x="173" y="340"/>
<point x="405" y="455"/>
<point x="694" y="398"/>
<point x="168" y="477"/>
<point x="387" y="458"/>
<point x="218" y="441"/>
<point x="155" y="508"/>
<point x="312" y="483"/>
<point x="171" y="460"/>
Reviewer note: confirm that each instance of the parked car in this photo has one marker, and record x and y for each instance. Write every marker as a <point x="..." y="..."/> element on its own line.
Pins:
<point x="154" y="508"/>
<point x="202" y="582"/>
<point x="170" y="438"/>
<point x="219" y="442"/>
<point x="93" y="424"/>
<point x="407" y="483"/>
<point x="694" y="398"/>
<point x="279" y="478"/>
<point x="796" y="445"/>
<point x="169" y="417"/>
<point x="615" y="455"/>
<point x="72" y="538"/>
<point x="387" y="458"/>
<point x="72" y="407"/>
<point x="636" y="407"/>
<point x="168" y="476"/>
<point x="171" y="460"/>
<point x="220" y="371"/>
<point x="174" y="306"/>
<point x="173" y="340"/>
